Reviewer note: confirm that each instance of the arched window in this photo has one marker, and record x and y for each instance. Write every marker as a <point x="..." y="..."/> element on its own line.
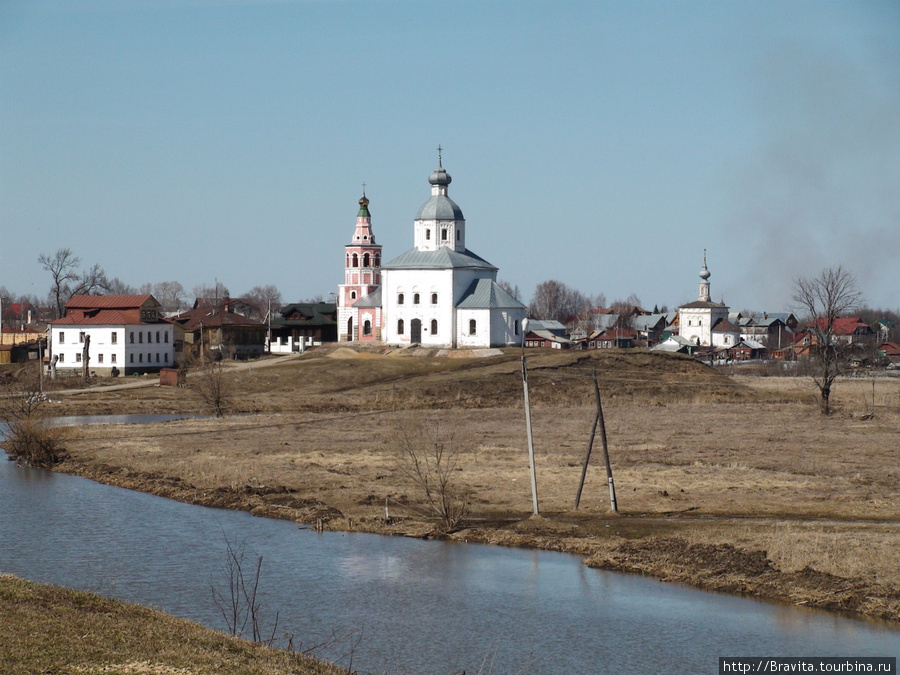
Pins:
<point x="472" y="326"/>
<point x="428" y="234"/>
<point x="347" y="263"/>
<point x="355" y="260"/>
<point x="377" y="260"/>
<point x="434" y="298"/>
<point x="365" y="260"/>
<point x="415" y="298"/>
<point x="433" y="326"/>
<point x="399" y="298"/>
<point x="353" y="295"/>
<point x="443" y="235"/>
<point x="350" y="329"/>
<point x="399" y="326"/>
<point x="367" y="327"/>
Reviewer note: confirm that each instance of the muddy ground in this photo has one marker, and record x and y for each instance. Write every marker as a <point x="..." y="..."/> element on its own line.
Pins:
<point x="735" y="484"/>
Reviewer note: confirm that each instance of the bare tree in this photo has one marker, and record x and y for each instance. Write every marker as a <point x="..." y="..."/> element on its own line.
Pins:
<point x="212" y="382"/>
<point x="428" y="456"/>
<point x="262" y="300"/>
<point x="554" y="300"/>
<point x="240" y="607"/>
<point x="63" y="269"/>
<point x="170" y="295"/>
<point x="118" y="287"/>
<point x="27" y="435"/>
<point x="216" y="292"/>
<point x="824" y="299"/>
<point x="67" y="281"/>
<point x="513" y="290"/>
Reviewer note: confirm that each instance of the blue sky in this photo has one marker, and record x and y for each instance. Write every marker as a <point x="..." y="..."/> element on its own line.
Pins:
<point x="602" y="144"/>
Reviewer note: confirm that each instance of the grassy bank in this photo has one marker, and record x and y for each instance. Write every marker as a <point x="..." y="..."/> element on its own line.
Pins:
<point x="46" y="629"/>
<point x="732" y="484"/>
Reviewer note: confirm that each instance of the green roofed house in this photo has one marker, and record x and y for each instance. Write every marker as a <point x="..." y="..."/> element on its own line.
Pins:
<point x="303" y="324"/>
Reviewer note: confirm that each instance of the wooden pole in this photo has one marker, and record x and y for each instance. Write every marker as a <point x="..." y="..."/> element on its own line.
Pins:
<point x="609" y="476"/>
<point x="590" y="447"/>
<point x="534" y="495"/>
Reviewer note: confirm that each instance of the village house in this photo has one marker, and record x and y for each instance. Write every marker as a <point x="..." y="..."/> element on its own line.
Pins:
<point x="219" y="329"/>
<point x="113" y="334"/>
<point x="302" y="325"/>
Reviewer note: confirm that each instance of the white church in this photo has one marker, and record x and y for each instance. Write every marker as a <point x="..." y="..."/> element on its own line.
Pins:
<point x="436" y="294"/>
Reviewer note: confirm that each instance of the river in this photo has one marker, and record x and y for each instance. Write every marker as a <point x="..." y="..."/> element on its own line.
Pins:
<point x="415" y="606"/>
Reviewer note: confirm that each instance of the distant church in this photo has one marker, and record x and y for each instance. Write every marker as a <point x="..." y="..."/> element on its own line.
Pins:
<point x="437" y="294"/>
<point x="704" y="322"/>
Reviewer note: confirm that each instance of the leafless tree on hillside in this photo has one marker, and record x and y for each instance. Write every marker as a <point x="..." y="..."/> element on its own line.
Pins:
<point x="825" y="298"/>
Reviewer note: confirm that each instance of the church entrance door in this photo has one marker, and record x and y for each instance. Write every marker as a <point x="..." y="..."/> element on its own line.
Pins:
<point x="415" y="331"/>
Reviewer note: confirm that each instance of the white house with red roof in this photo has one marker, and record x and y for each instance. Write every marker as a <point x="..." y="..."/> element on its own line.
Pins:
<point x="122" y="332"/>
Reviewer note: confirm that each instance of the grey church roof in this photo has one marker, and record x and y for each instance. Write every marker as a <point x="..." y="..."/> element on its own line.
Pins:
<point x="440" y="207"/>
<point x="443" y="258"/>
<point x="487" y="294"/>
<point x="373" y="299"/>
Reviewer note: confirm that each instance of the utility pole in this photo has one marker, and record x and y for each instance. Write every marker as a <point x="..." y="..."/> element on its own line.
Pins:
<point x="534" y="495"/>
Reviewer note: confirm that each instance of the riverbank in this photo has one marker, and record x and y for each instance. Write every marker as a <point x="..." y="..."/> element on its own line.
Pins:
<point x="48" y="629"/>
<point x="735" y="485"/>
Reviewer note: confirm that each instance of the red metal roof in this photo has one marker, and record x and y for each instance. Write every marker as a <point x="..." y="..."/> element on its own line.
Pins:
<point x="107" y="301"/>
<point x="100" y="317"/>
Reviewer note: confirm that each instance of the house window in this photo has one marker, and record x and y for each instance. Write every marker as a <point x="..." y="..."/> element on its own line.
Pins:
<point x="157" y="357"/>
<point x="131" y="358"/>
<point x="140" y="337"/>
<point x="81" y="336"/>
<point x="433" y="326"/>
<point x="62" y="357"/>
<point x="131" y="337"/>
<point x="112" y="358"/>
<point x="400" y="327"/>
<point x="157" y="337"/>
<point x="99" y="358"/>
<point x="366" y="260"/>
<point x="377" y="260"/>
<point x="141" y="357"/>
<point x="166" y="358"/>
<point x="399" y="298"/>
<point x="78" y="358"/>
<point x="353" y="295"/>
<point x="516" y="327"/>
<point x="443" y="235"/>
<point x="167" y="337"/>
<point x="415" y="298"/>
<point x="367" y="327"/>
<point x="428" y="234"/>
<point x="472" y="326"/>
<point x="62" y="336"/>
<point x="434" y="298"/>
<point x="114" y="338"/>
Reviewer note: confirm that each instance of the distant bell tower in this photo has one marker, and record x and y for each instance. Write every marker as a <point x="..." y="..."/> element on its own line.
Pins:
<point x="362" y="272"/>
<point x="704" y="281"/>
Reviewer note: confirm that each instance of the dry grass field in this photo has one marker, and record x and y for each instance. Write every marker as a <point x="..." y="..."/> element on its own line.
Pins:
<point x="735" y="484"/>
<point x="46" y="629"/>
